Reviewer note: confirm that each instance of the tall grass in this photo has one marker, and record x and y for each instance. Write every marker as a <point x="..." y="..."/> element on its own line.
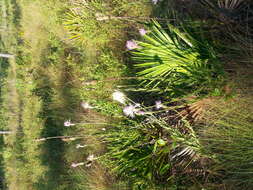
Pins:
<point x="229" y="138"/>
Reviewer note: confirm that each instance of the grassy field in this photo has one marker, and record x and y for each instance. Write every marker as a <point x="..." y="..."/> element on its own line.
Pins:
<point x="179" y="82"/>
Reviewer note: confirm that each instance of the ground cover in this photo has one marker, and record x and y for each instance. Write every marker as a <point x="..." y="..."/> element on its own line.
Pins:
<point x="99" y="96"/>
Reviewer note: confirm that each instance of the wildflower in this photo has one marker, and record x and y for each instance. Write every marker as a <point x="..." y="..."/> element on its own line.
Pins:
<point x="86" y="105"/>
<point x="103" y="129"/>
<point x="131" y="110"/>
<point x="80" y="146"/>
<point x="74" y="165"/>
<point x="131" y="44"/>
<point x="91" y="158"/>
<point x="142" y="31"/>
<point x="155" y="1"/>
<point x="68" y="123"/>
<point x="119" y="96"/>
<point x="159" y="105"/>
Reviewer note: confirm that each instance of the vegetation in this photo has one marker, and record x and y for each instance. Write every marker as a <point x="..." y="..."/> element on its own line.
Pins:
<point x="129" y="95"/>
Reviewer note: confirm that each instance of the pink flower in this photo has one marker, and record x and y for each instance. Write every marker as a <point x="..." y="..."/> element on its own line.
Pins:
<point x="68" y="123"/>
<point x="132" y="110"/>
<point x="159" y="105"/>
<point x="131" y="44"/>
<point x="129" y="111"/>
<point x="142" y="31"/>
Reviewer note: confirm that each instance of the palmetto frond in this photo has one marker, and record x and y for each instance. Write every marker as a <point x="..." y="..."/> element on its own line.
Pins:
<point x="174" y="59"/>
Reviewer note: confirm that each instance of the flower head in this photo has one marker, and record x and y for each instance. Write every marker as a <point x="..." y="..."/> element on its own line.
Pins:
<point x="132" y="110"/>
<point x="159" y="105"/>
<point x="86" y="105"/>
<point x="129" y="111"/>
<point x="131" y="44"/>
<point x="68" y="123"/>
<point x="119" y="96"/>
<point x="142" y="31"/>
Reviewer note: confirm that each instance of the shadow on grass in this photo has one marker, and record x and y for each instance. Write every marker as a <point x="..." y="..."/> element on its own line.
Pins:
<point x="16" y="12"/>
<point x="55" y="112"/>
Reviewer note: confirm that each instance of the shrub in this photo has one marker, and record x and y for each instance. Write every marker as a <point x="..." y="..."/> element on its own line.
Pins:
<point x="178" y="62"/>
<point x="153" y="154"/>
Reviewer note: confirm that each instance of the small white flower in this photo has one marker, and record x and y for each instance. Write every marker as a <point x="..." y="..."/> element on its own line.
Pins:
<point x="119" y="96"/>
<point x="74" y="165"/>
<point x="68" y="123"/>
<point x="86" y="105"/>
<point x="91" y="158"/>
<point x="159" y="105"/>
<point x="103" y="129"/>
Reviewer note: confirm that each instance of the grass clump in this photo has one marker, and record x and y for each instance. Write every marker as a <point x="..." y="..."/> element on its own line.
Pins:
<point x="229" y="139"/>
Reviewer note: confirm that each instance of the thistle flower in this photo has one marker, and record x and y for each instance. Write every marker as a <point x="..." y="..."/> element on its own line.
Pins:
<point x="68" y="123"/>
<point x="129" y="111"/>
<point x="86" y="105"/>
<point x="131" y="44"/>
<point x="142" y="31"/>
<point x="119" y="96"/>
<point x="132" y="110"/>
<point x="159" y="105"/>
<point x="74" y="165"/>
